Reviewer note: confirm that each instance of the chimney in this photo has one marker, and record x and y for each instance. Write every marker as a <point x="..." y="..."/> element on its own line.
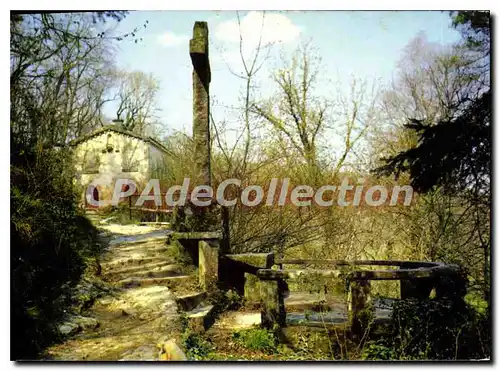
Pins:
<point x="118" y="123"/>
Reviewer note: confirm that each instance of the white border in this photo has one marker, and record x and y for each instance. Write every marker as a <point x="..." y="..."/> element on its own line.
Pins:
<point x="196" y="5"/>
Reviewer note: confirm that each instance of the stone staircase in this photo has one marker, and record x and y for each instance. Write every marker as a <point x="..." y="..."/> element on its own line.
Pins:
<point x="149" y="293"/>
<point x="146" y="262"/>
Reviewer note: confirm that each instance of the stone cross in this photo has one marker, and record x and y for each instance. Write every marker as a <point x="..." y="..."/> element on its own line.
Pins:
<point x="198" y="50"/>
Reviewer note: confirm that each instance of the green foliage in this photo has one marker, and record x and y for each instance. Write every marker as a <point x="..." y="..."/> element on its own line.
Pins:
<point x="51" y="244"/>
<point x="179" y="254"/>
<point x="197" y="347"/>
<point x="225" y="300"/>
<point x="316" y="283"/>
<point x="313" y="344"/>
<point x="257" y="339"/>
<point x="86" y="292"/>
<point x="378" y="351"/>
<point x="477" y="302"/>
<point x="449" y="163"/>
<point x="121" y="214"/>
<point x="474" y="26"/>
<point x="385" y="289"/>
<point x="438" y="329"/>
<point x="453" y="153"/>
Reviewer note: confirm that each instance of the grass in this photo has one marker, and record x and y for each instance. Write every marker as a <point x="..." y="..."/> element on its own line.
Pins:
<point x="256" y="339"/>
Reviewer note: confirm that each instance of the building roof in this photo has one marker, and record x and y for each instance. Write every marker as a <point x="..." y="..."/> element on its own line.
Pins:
<point x="119" y="130"/>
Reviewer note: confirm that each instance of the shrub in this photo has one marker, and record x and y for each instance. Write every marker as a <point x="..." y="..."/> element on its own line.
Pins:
<point x="193" y="218"/>
<point x="438" y="329"/>
<point x="378" y="351"/>
<point x="197" y="348"/>
<point x="179" y="254"/>
<point x="225" y="300"/>
<point x="51" y="243"/>
<point x="257" y="339"/>
<point x="121" y="214"/>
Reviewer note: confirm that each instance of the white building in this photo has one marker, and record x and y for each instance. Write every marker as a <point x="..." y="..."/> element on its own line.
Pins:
<point x="111" y="153"/>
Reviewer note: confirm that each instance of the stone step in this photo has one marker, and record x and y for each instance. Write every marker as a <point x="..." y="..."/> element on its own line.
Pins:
<point x="153" y="266"/>
<point x="143" y="245"/>
<point x="233" y="320"/>
<point x="146" y="251"/>
<point x="190" y="301"/>
<point x="138" y="254"/>
<point x="317" y="319"/>
<point x="92" y="215"/>
<point x="330" y="320"/>
<point x="134" y="260"/>
<point x="126" y="261"/>
<point x="246" y="320"/>
<point x="201" y="318"/>
<point x="139" y="300"/>
<point x="166" y="224"/>
<point x="169" y="270"/>
<point x="158" y="237"/>
<point x="163" y="281"/>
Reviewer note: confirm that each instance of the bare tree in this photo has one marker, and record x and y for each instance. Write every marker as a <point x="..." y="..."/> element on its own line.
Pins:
<point x="136" y="95"/>
<point x="430" y="83"/>
<point x="301" y="118"/>
<point x="433" y="84"/>
<point x="251" y="65"/>
<point x="58" y="76"/>
<point x="296" y="114"/>
<point x="356" y="116"/>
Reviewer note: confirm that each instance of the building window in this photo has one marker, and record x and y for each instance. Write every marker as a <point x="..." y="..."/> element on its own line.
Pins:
<point x="91" y="164"/>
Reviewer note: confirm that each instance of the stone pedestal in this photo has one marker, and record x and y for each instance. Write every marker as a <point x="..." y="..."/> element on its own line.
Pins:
<point x="208" y="265"/>
<point x="360" y="306"/>
<point x="252" y="289"/>
<point x="273" y="305"/>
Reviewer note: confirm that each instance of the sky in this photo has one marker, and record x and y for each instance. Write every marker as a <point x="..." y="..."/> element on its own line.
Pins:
<point x="364" y="44"/>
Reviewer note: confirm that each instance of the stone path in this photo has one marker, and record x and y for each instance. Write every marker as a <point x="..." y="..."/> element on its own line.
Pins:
<point x="142" y="311"/>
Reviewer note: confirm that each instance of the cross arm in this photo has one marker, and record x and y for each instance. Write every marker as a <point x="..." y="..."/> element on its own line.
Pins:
<point x="198" y="48"/>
